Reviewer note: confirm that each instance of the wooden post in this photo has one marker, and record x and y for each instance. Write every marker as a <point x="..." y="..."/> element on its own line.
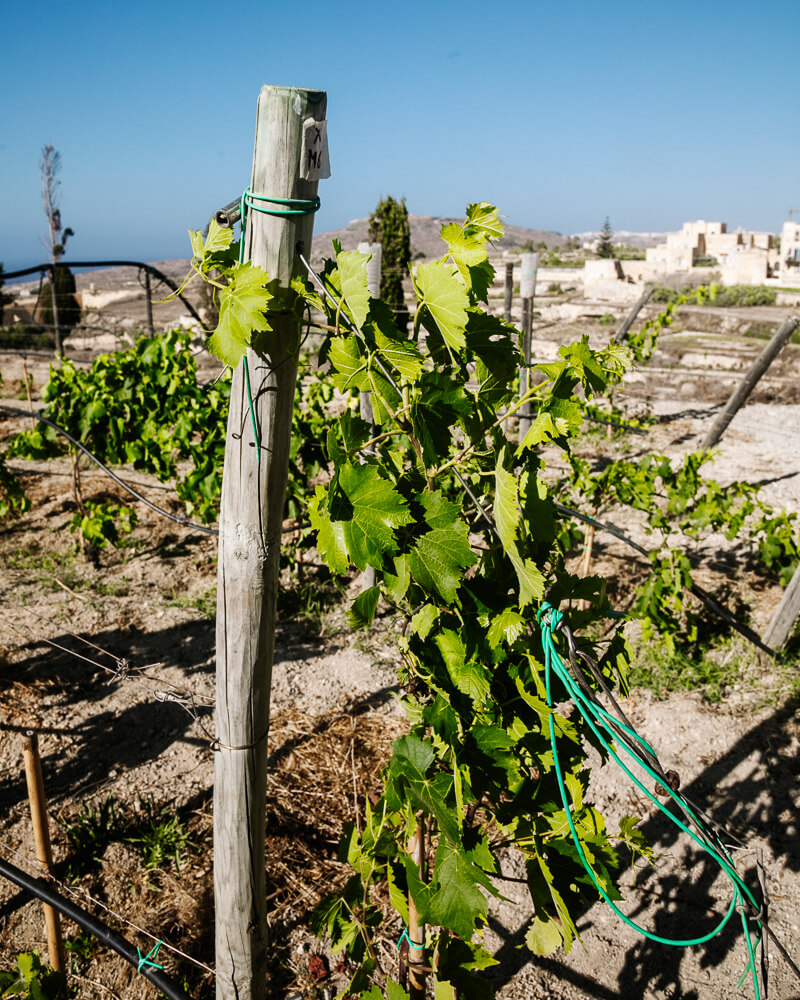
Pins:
<point x="508" y="291"/>
<point x="251" y="513"/>
<point x="641" y="302"/>
<point x="149" y="301"/>
<point x="785" y="616"/>
<point x="527" y="287"/>
<point x="749" y="382"/>
<point x="41" y="836"/>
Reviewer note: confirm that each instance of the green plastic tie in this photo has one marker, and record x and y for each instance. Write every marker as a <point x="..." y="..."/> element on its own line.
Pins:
<point x="148" y="958"/>
<point x="549" y="619"/>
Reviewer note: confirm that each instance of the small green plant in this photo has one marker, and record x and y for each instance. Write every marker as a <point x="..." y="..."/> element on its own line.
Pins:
<point x="159" y="835"/>
<point x="79" y="949"/>
<point x="713" y="672"/>
<point x="608" y="319"/>
<point x="13" y="501"/>
<point x="102" y="524"/>
<point x="89" y="833"/>
<point x="30" y="980"/>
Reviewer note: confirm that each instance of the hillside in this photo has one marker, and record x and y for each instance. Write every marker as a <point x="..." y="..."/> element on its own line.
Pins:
<point x="425" y="238"/>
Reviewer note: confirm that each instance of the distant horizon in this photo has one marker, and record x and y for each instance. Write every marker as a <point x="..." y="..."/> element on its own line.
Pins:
<point x="155" y="259"/>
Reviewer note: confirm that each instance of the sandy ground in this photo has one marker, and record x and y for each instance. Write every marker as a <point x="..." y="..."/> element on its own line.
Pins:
<point x="153" y="606"/>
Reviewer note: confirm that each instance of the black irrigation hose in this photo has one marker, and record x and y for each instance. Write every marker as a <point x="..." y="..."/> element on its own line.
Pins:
<point x="39" y="888"/>
<point x="108" y="263"/>
<point x="697" y="591"/>
<point x="159" y="510"/>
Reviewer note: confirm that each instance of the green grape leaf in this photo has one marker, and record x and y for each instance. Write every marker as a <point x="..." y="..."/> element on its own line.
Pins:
<point x="352" y="267"/>
<point x="396" y="584"/>
<point x="484" y="218"/>
<point x="197" y="241"/>
<point x="446" y="299"/>
<point x="345" y="354"/>
<point x="507" y="519"/>
<point x="439" y="558"/>
<point x="458" y="903"/>
<point x="543" y="937"/>
<point x="401" y="355"/>
<point x="439" y="511"/>
<point x="362" y="611"/>
<point x="368" y="508"/>
<point x="242" y="305"/>
<point x="468" y="676"/>
<point x="219" y="238"/>
<point x="331" y="541"/>
<point x="424" y="620"/>
<point x="507" y="627"/>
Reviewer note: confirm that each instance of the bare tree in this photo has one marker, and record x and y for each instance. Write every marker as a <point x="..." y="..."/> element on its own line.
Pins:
<point x="49" y="169"/>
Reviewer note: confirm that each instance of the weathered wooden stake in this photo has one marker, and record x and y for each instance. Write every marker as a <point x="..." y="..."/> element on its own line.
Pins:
<point x="749" y="382"/>
<point x="149" y="300"/>
<point x="785" y="615"/>
<point x="41" y="836"/>
<point x="253" y="494"/>
<point x="640" y="303"/>
<point x="527" y="287"/>
<point x="508" y="292"/>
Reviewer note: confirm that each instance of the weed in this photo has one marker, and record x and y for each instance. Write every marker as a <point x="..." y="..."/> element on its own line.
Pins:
<point x="33" y="557"/>
<point x="205" y="602"/>
<point x="607" y="319"/>
<point x="79" y="950"/>
<point x="30" y="980"/>
<point x="157" y="833"/>
<point x="112" y="588"/>
<point x="161" y="837"/>
<point x="713" y="671"/>
<point x="89" y="833"/>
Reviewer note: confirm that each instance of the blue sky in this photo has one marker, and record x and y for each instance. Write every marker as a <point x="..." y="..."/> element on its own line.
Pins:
<point x="560" y="113"/>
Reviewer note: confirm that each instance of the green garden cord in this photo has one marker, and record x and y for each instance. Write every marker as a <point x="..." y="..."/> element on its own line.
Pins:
<point x="307" y="206"/>
<point x="594" y="714"/>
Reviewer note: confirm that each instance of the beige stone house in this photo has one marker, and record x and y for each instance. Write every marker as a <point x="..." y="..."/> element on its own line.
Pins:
<point x="741" y="257"/>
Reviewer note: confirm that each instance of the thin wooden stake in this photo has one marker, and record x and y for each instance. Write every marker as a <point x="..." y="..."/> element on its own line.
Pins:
<point x="586" y="562"/>
<point x="508" y="292"/>
<point x="149" y="301"/>
<point x="785" y="616"/>
<point x="251" y="517"/>
<point x="640" y="303"/>
<point x="749" y="382"/>
<point x="41" y="836"/>
<point x="416" y="929"/>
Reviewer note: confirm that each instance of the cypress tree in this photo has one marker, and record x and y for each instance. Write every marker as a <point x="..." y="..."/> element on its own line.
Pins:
<point x="388" y="225"/>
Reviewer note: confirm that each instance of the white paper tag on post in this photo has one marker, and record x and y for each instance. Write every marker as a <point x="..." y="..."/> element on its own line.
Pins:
<point x="315" y="164"/>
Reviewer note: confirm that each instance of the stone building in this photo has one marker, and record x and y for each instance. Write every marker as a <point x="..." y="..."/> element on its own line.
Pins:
<point x="741" y="257"/>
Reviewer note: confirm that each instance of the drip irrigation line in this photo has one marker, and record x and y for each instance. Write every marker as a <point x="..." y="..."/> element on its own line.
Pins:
<point x="88" y="922"/>
<point x="695" y="589"/>
<point x="85" y="896"/>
